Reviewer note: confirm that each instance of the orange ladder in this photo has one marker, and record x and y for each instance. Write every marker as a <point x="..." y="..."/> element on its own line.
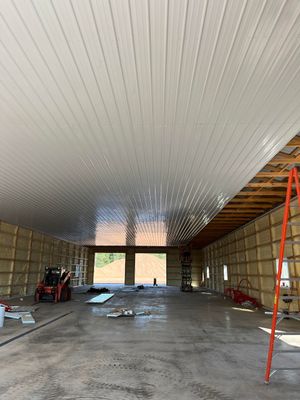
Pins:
<point x="278" y="317"/>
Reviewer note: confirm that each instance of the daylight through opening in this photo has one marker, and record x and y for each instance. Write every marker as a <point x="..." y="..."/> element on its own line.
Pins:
<point x="150" y="266"/>
<point x="109" y="268"/>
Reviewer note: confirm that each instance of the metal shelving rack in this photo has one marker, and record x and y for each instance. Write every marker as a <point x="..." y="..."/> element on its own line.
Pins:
<point x="186" y="271"/>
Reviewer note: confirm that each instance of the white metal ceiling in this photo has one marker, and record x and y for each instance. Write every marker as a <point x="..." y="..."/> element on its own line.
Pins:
<point x="133" y="122"/>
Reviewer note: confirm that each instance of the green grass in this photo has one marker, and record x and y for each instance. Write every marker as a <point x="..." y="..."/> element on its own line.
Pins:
<point x="102" y="259"/>
<point x="162" y="256"/>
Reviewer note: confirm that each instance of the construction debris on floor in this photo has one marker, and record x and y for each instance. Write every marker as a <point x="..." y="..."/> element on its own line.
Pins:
<point x="102" y="298"/>
<point x="124" y="312"/>
<point x="241" y="298"/>
<point x="94" y="289"/>
<point x="5" y="305"/>
<point x="27" y="319"/>
<point x="130" y="289"/>
<point x="18" y="312"/>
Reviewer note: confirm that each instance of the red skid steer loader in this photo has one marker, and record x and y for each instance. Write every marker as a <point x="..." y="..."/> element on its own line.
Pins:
<point x="54" y="286"/>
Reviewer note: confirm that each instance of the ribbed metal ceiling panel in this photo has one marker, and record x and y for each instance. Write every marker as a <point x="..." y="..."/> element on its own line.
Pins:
<point x="134" y="122"/>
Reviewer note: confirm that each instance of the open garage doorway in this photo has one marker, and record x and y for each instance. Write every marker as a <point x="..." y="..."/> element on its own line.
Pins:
<point x="150" y="266"/>
<point x="109" y="268"/>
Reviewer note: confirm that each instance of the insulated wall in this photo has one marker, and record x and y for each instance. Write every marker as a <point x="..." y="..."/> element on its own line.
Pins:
<point x="173" y="268"/>
<point x="25" y="253"/>
<point x="250" y="254"/>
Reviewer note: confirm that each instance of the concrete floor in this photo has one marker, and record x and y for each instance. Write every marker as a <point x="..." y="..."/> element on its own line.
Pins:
<point x="193" y="346"/>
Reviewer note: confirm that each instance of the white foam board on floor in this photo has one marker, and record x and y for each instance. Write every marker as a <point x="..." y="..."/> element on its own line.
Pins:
<point x="15" y="315"/>
<point x="102" y="298"/>
<point x="28" y="319"/>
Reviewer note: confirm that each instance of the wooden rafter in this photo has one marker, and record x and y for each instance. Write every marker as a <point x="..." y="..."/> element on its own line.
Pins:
<point x="248" y="206"/>
<point x="272" y="174"/>
<point x="262" y="193"/>
<point x="221" y="224"/>
<point x="266" y="184"/>
<point x="244" y="212"/>
<point x="233" y="217"/>
<point x="284" y="159"/>
<point x="251" y="200"/>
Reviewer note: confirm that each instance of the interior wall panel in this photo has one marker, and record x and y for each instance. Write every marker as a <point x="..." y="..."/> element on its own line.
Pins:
<point x="250" y="254"/>
<point x="25" y="253"/>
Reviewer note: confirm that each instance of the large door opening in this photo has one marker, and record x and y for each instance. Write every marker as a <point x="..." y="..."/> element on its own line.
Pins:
<point x="150" y="266"/>
<point x="109" y="268"/>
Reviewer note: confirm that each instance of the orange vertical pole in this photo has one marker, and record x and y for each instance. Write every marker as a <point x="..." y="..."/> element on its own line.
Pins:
<point x="278" y="276"/>
<point x="295" y="173"/>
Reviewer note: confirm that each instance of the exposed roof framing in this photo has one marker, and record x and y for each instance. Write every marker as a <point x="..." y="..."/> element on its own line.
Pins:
<point x="264" y="192"/>
<point x="295" y="142"/>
